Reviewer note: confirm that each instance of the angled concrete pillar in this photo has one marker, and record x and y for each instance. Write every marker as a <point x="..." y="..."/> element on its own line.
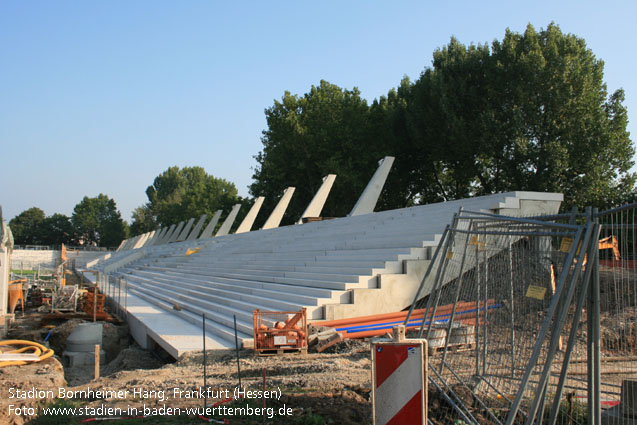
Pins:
<point x="277" y="214"/>
<point x="151" y="236"/>
<point x="130" y="242"/>
<point x="367" y="202"/>
<point x="195" y="232"/>
<point x="184" y="233"/>
<point x="248" y="221"/>
<point x="168" y="234"/>
<point x="159" y="236"/>
<point x="121" y="245"/>
<point x="177" y="231"/>
<point x="135" y="241"/>
<point x="207" y="232"/>
<point x="225" y="227"/>
<point x="316" y="205"/>
<point x="141" y="240"/>
<point x="124" y="244"/>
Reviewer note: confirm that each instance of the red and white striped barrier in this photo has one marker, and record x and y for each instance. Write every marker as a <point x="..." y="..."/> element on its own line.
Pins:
<point x="399" y="378"/>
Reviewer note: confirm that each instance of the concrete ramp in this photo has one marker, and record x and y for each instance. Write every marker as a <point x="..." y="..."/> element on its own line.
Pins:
<point x="345" y="267"/>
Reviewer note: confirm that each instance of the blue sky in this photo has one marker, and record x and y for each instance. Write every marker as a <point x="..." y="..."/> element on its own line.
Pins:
<point x="102" y="96"/>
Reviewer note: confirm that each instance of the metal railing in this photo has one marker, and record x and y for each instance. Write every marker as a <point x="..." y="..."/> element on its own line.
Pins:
<point x="532" y="321"/>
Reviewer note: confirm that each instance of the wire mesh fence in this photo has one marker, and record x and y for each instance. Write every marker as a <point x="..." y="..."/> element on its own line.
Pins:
<point x="618" y="312"/>
<point x="504" y="301"/>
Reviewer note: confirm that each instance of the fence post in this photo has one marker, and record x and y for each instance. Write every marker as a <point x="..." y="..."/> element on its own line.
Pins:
<point x="595" y="322"/>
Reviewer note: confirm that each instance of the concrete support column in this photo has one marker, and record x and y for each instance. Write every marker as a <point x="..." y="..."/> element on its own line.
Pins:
<point x="168" y="235"/>
<point x="142" y="240"/>
<point x="225" y="227"/>
<point x="130" y="243"/>
<point x="277" y="215"/>
<point x="207" y="232"/>
<point x="316" y="205"/>
<point x="184" y="233"/>
<point x="248" y="221"/>
<point x="176" y="232"/>
<point x="158" y="236"/>
<point x="151" y="236"/>
<point x="195" y="232"/>
<point x="367" y="202"/>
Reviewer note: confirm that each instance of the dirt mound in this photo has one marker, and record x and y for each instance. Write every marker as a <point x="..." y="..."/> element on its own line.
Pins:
<point x="47" y="375"/>
<point x="132" y="358"/>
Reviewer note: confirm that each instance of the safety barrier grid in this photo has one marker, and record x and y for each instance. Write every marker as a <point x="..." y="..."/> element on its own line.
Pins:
<point x="536" y="347"/>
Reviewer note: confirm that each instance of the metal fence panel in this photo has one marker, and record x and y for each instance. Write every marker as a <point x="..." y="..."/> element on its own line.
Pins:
<point x="505" y="299"/>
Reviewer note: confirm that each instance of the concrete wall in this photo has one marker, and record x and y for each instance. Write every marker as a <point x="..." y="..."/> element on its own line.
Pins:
<point x="50" y="259"/>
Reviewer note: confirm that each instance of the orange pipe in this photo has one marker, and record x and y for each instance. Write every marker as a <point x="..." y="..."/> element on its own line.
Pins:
<point x="370" y="318"/>
<point x="362" y="320"/>
<point x="379" y="332"/>
<point x="465" y="318"/>
<point x="373" y="322"/>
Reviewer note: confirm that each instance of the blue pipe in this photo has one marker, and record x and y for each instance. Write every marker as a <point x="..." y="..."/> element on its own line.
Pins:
<point x="414" y="322"/>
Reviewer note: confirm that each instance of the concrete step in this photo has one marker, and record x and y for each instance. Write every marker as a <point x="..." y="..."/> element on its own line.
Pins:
<point x="311" y="283"/>
<point x="195" y="317"/>
<point x="271" y="301"/>
<point x="244" y="285"/>
<point x="220" y="314"/>
<point x="370" y="261"/>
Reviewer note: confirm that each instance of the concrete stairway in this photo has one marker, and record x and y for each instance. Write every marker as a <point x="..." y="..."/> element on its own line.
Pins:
<point x="337" y="268"/>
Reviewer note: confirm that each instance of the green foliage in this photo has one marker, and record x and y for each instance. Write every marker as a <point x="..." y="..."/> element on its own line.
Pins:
<point x="325" y="131"/>
<point x="27" y="225"/>
<point x="529" y="112"/>
<point x="98" y="221"/>
<point x="180" y="194"/>
<point x="57" y="229"/>
<point x="31" y="227"/>
<point x="143" y="221"/>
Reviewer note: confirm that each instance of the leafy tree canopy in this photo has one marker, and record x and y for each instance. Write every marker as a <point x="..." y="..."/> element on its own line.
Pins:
<point x="98" y="221"/>
<point x="32" y="227"/>
<point x="180" y="194"/>
<point x="329" y="130"/>
<point x="529" y="112"/>
<point x="26" y="227"/>
<point x="57" y="229"/>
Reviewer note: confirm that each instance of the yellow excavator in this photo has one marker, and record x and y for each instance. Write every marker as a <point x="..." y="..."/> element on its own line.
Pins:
<point x="610" y="243"/>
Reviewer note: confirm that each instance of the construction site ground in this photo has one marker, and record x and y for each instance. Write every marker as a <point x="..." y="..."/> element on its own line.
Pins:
<point x="333" y="387"/>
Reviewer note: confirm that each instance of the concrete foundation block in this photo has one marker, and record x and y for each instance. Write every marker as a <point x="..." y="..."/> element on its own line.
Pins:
<point x="82" y="358"/>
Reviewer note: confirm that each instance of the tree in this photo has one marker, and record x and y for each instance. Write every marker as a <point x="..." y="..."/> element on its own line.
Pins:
<point x="97" y="221"/>
<point x="531" y="113"/>
<point x="27" y="227"/>
<point x="143" y="220"/>
<point x="326" y="131"/>
<point x="57" y="229"/>
<point x="31" y="227"/>
<point x="180" y="194"/>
